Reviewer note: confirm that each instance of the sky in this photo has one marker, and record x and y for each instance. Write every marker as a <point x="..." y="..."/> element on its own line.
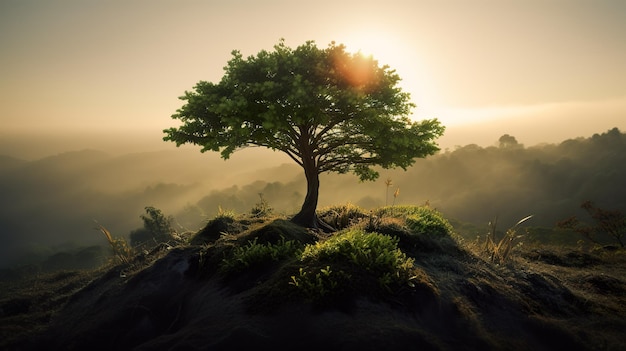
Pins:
<point x="541" y="70"/>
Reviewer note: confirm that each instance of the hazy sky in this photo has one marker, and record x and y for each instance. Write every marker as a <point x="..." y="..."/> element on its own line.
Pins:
<point x="522" y="65"/>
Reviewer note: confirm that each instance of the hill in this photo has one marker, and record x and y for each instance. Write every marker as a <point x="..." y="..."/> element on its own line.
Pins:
<point x="397" y="278"/>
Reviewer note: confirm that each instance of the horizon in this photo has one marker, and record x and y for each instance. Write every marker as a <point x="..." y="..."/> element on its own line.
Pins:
<point x="31" y="146"/>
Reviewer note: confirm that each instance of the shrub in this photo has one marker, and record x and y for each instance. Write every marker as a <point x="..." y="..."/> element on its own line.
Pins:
<point x="261" y="208"/>
<point x="156" y="228"/>
<point x="259" y="255"/>
<point x="331" y="265"/>
<point x="370" y="251"/>
<point x="607" y="222"/>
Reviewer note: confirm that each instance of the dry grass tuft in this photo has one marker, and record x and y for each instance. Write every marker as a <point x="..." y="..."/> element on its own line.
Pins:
<point x="120" y="247"/>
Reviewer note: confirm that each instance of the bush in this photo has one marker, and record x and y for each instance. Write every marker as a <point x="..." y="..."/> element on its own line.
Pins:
<point x="255" y="255"/>
<point x="352" y="261"/>
<point x="370" y="251"/>
<point x="157" y="228"/>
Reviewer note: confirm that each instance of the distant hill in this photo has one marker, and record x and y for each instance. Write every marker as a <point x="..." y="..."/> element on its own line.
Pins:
<point x="8" y="162"/>
<point x="473" y="183"/>
<point x="49" y="204"/>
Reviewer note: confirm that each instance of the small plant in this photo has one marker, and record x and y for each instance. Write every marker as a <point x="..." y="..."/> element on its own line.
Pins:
<point x="261" y="208"/>
<point x="255" y="254"/>
<point x="120" y="247"/>
<point x="341" y="217"/>
<point x="395" y="196"/>
<point x="373" y="223"/>
<point x="388" y="183"/>
<point x="500" y="250"/>
<point x="225" y="214"/>
<point x="318" y="286"/>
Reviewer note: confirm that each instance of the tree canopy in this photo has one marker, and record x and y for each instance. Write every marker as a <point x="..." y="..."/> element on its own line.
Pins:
<point x="328" y="109"/>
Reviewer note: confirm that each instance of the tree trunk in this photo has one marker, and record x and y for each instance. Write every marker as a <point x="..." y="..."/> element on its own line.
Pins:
<point x="307" y="216"/>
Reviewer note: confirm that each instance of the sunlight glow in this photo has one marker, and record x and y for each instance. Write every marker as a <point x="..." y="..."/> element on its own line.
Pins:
<point x="359" y="70"/>
<point x="399" y="52"/>
<point x="383" y="46"/>
<point x="465" y="116"/>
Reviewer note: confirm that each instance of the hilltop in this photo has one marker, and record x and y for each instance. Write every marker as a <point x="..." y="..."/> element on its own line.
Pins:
<point x="396" y="277"/>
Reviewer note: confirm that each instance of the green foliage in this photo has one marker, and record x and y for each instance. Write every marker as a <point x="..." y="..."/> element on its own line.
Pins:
<point x="328" y="109"/>
<point x="342" y="104"/>
<point x="368" y="250"/>
<point x="317" y="286"/>
<point x="374" y="258"/>
<point x="420" y="219"/>
<point x="343" y="216"/>
<point x="157" y="228"/>
<point x="258" y="255"/>
<point x="156" y="222"/>
<point x="419" y="229"/>
<point x="399" y="211"/>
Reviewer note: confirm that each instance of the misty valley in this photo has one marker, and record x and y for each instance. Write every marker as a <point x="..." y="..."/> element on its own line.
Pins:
<point x="52" y="205"/>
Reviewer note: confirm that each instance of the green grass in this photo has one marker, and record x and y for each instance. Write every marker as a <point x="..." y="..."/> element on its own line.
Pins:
<point x="258" y="255"/>
<point x="342" y="216"/>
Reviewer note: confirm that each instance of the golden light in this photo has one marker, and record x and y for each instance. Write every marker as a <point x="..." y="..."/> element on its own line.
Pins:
<point x="401" y="53"/>
<point x="359" y="71"/>
<point x="382" y="46"/>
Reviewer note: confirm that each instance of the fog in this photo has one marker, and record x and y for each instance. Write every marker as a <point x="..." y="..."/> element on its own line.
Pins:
<point x="49" y="204"/>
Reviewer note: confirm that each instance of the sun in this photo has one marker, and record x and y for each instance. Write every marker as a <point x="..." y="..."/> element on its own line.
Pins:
<point x="381" y="45"/>
<point x="403" y="54"/>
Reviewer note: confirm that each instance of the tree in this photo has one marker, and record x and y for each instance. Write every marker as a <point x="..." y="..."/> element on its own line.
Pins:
<point x="157" y="228"/>
<point x="328" y="109"/>
<point x="508" y="142"/>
